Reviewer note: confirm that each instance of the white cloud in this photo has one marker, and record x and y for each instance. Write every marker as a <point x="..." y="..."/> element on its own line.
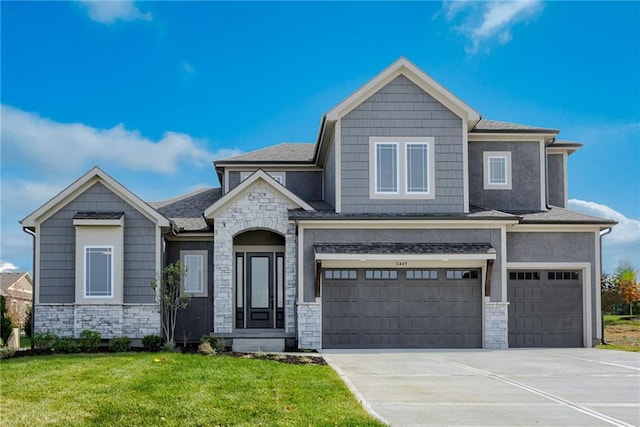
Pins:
<point x="626" y="231"/>
<point x="622" y="245"/>
<point x="6" y="267"/>
<point x="484" y="23"/>
<point x="188" y="68"/>
<point x="59" y="147"/>
<point x="111" y="11"/>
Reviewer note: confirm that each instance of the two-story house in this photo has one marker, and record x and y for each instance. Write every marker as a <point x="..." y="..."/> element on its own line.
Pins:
<point x="410" y="222"/>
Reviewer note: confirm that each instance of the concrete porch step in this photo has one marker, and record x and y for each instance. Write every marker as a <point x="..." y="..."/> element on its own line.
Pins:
<point x="267" y="345"/>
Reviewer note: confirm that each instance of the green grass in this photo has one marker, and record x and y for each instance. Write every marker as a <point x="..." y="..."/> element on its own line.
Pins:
<point x="615" y="319"/>
<point x="143" y="389"/>
<point x="619" y="347"/>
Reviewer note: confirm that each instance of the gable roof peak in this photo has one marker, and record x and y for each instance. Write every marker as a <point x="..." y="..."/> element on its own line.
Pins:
<point x="402" y="66"/>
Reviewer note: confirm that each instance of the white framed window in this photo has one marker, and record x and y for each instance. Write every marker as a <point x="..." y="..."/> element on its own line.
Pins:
<point x="387" y="167"/>
<point x="195" y="280"/>
<point x="401" y="168"/>
<point x="98" y="271"/>
<point x="497" y="170"/>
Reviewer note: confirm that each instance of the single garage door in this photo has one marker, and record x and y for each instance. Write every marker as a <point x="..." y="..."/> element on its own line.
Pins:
<point x="386" y="308"/>
<point x="545" y="309"/>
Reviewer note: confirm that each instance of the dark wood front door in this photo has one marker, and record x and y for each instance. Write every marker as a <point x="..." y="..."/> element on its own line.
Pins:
<point x="259" y="295"/>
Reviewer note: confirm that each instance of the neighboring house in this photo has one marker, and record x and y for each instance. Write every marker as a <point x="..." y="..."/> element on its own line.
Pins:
<point x="410" y="222"/>
<point x="17" y="288"/>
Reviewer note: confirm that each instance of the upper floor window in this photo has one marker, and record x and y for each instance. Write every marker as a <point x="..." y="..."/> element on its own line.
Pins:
<point x="401" y="167"/>
<point x="195" y="278"/>
<point x="497" y="170"/>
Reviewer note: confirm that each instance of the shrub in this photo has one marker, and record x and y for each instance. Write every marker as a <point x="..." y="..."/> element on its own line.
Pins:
<point x="152" y="342"/>
<point x="44" y="339"/>
<point x="120" y="344"/>
<point x="206" y="349"/>
<point x="169" y="347"/>
<point x="89" y="341"/>
<point x="63" y="346"/>
<point x="216" y="343"/>
<point x="5" y="322"/>
<point x="7" y="352"/>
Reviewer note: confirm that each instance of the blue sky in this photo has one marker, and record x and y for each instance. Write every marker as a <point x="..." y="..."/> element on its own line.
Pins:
<point x="153" y="92"/>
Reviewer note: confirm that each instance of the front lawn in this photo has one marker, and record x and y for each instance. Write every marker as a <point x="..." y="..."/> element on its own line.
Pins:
<point x="621" y="333"/>
<point x="140" y="389"/>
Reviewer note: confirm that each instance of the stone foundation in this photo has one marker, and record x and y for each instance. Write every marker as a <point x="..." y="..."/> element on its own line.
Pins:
<point x="112" y="321"/>
<point x="496" y="326"/>
<point x="309" y="326"/>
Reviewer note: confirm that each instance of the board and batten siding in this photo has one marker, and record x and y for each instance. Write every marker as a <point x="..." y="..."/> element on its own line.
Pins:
<point x="401" y="109"/>
<point x="525" y="179"/>
<point x="57" y="249"/>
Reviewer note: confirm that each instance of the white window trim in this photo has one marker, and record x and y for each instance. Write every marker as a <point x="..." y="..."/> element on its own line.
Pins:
<point x="486" y="156"/>
<point x="86" y="271"/>
<point x="401" y="170"/>
<point x="281" y="177"/>
<point x="205" y="274"/>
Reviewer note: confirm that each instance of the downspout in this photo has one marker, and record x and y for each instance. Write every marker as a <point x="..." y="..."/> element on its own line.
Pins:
<point x="33" y="294"/>
<point x="602" y="234"/>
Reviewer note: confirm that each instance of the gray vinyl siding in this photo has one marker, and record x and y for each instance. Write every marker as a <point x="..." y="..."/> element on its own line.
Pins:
<point x="555" y="179"/>
<point x="525" y="183"/>
<point x="197" y="319"/>
<point x="330" y="175"/>
<point x="315" y="236"/>
<point x="401" y="109"/>
<point x="57" y="248"/>
<point x="306" y="185"/>
<point x="557" y="247"/>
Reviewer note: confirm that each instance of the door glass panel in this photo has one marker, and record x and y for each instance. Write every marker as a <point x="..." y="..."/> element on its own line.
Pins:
<point x="280" y="280"/>
<point x="260" y="282"/>
<point x="239" y="281"/>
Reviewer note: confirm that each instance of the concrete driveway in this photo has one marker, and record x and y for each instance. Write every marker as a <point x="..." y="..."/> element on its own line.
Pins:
<point x="515" y="387"/>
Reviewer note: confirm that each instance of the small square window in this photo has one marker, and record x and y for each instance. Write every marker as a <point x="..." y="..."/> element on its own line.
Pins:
<point x="353" y="274"/>
<point x="393" y="274"/>
<point x="497" y="170"/>
<point x="328" y="274"/>
<point x="377" y="274"/>
<point x="369" y="274"/>
<point x="344" y="274"/>
<point x="410" y="274"/>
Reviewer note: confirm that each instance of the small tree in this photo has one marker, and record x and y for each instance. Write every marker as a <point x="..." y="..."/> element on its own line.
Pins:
<point x="168" y="286"/>
<point x="627" y="279"/>
<point x="5" y="323"/>
<point x="611" y="297"/>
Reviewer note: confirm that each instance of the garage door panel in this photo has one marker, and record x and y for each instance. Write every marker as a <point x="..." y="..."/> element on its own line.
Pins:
<point x="544" y="312"/>
<point x="402" y="313"/>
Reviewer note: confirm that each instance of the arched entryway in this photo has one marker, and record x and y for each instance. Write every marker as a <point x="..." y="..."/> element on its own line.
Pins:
<point x="259" y="280"/>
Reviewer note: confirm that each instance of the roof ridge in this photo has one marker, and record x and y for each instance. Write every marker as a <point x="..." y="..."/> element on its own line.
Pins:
<point x="161" y="203"/>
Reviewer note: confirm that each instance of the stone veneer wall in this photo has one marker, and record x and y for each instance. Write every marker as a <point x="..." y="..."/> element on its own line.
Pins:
<point x="112" y="321"/>
<point x="309" y="326"/>
<point x="259" y="208"/>
<point x="496" y="326"/>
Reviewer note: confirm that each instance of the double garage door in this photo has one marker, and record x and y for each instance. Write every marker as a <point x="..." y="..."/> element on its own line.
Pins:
<point x="545" y="309"/>
<point x="374" y="308"/>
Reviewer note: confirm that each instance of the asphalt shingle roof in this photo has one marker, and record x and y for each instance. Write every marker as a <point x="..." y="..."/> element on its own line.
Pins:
<point x="285" y="152"/>
<point x="475" y="212"/>
<point x="187" y="211"/>
<point x="404" y="248"/>
<point x="556" y="215"/>
<point x="9" y="278"/>
<point x="98" y="215"/>
<point x="507" y="127"/>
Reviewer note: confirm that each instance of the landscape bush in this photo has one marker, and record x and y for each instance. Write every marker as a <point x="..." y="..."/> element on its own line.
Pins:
<point x="216" y="343"/>
<point x="121" y="344"/>
<point x="89" y="341"/>
<point x="152" y="342"/>
<point x="63" y="346"/>
<point x="44" y="340"/>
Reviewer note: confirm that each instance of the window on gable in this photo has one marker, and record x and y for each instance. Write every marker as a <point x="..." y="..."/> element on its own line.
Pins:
<point x="387" y="168"/>
<point x="195" y="280"/>
<point x="402" y="168"/>
<point x="417" y="168"/>
<point x="497" y="170"/>
<point x="98" y="279"/>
